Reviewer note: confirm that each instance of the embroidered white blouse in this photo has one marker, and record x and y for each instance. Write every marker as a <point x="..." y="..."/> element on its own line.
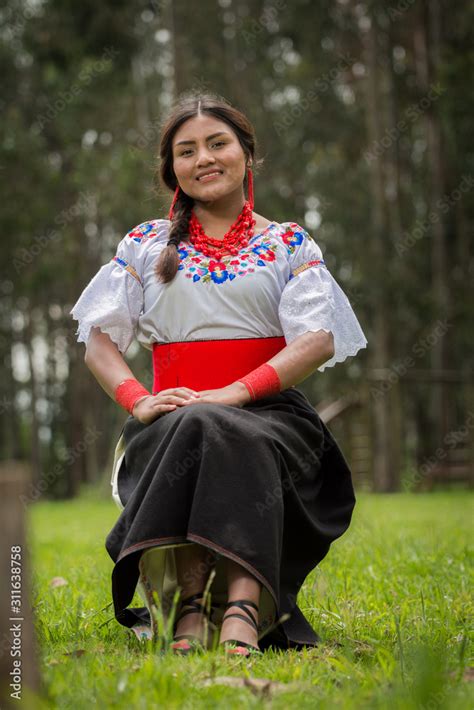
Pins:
<point x="278" y="285"/>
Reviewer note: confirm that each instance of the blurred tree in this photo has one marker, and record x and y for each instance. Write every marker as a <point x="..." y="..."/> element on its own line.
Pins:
<point x="362" y="113"/>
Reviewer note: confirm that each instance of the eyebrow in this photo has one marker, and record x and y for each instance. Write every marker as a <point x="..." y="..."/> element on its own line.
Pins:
<point x="213" y="135"/>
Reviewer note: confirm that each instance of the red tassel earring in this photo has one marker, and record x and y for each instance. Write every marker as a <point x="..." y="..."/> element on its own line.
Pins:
<point x="170" y="213"/>
<point x="250" y="187"/>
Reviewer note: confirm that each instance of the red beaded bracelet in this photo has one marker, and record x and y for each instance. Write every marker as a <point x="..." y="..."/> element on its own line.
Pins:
<point x="129" y="392"/>
<point x="262" y="381"/>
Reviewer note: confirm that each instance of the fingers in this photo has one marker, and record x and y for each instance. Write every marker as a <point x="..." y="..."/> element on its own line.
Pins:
<point x="159" y="409"/>
<point x="156" y="412"/>
<point x="185" y="392"/>
<point x="170" y="399"/>
<point x="166" y="401"/>
<point x="191" y="392"/>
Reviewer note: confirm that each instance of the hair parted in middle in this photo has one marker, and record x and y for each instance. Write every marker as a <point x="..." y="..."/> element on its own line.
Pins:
<point x="188" y="105"/>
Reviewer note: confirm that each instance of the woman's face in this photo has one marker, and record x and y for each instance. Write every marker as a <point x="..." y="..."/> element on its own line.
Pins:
<point x="205" y="145"/>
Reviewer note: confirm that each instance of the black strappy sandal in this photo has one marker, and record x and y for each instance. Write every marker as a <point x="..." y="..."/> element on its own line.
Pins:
<point x="188" y="643"/>
<point x="233" y="646"/>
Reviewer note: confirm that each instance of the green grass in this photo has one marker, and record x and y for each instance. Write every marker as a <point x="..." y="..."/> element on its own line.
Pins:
<point x="392" y="601"/>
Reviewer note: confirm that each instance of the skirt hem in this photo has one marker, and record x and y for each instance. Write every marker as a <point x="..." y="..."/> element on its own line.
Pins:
<point x="121" y="612"/>
<point x="235" y="558"/>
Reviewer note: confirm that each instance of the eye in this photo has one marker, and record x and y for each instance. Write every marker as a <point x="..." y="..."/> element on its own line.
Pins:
<point x="188" y="150"/>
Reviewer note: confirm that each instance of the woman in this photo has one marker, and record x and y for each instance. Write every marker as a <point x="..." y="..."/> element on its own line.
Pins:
<point x="225" y="474"/>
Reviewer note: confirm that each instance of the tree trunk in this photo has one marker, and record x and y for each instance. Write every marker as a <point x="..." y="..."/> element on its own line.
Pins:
<point x="384" y="473"/>
<point x="35" y="450"/>
<point x="428" y="47"/>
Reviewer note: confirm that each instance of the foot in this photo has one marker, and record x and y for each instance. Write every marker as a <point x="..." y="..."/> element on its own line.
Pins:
<point x="235" y="628"/>
<point x="193" y="624"/>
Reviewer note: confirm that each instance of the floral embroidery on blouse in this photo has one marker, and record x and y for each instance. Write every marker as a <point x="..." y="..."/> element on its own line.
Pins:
<point x="196" y="266"/>
<point x="205" y="269"/>
<point x="143" y="232"/>
<point x="292" y="237"/>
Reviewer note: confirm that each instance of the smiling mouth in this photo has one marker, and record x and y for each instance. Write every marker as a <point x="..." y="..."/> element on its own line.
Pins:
<point x="210" y="176"/>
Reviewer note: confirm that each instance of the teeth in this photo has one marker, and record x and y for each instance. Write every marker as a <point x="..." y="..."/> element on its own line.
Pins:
<point x="209" y="174"/>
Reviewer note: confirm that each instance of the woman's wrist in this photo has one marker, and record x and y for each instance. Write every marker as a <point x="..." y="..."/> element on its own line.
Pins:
<point x="137" y="402"/>
<point x="261" y="382"/>
<point x="242" y="392"/>
<point x="129" y="392"/>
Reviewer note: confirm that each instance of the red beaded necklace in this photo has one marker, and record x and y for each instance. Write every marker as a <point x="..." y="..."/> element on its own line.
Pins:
<point x="234" y="239"/>
<point x="237" y="237"/>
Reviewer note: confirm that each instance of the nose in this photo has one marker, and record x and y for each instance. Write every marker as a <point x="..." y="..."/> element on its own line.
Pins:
<point x="204" y="157"/>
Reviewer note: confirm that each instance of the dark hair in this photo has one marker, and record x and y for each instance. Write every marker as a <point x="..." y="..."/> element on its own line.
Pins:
<point x="186" y="107"/>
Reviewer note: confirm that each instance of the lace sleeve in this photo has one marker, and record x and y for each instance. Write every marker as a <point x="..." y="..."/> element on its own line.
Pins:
<point x="113" y="299"/>
<point x="312" y="300"/>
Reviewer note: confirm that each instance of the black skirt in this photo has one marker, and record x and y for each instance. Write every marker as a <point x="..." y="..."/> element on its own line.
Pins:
<point x="265" y="485"/>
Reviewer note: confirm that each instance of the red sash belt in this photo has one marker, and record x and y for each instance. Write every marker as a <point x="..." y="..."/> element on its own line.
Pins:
<point x="210" y="364"/>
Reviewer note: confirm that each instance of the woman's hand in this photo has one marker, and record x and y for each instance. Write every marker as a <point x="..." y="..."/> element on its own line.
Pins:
<point x="235" y="395"/>
<point x="150" y="408"/>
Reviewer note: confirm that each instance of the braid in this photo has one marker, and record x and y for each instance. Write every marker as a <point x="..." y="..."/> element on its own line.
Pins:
<point x="168" y="262"/>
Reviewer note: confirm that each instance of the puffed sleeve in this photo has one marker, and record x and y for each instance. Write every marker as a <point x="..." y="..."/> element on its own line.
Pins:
<point x="113" y="299"/>
<point x="312" y="299"/>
